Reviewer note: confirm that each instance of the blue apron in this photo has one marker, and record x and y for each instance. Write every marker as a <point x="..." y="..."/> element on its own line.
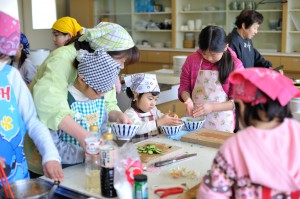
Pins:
<point x="12" y="130"/>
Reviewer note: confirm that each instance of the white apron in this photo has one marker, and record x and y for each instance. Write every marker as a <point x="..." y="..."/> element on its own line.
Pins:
<point x="208" y="89"/>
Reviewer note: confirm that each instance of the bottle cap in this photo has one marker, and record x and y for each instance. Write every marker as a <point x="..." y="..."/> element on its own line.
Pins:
<point x="94" y="128"/>
<point x="108" y="136"/>
<point x="140" y="178"/>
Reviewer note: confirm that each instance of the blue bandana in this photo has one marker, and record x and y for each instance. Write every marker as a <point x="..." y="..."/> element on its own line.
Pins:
<point x="25" y="43"/>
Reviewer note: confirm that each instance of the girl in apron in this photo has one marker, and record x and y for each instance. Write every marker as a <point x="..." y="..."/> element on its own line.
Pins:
<point x="261" y="160"/>
<point x="143" y="89"/>
<point x="204" y="86"/>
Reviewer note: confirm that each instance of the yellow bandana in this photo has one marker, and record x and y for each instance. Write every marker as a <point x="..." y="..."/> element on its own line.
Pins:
<point x="67" y="25"/>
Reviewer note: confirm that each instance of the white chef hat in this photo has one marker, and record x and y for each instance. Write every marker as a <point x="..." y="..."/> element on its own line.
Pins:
<point x="142" y="83"/>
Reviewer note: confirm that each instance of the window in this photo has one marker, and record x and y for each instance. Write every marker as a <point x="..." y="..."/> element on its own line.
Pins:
<point x="43" y="13"/>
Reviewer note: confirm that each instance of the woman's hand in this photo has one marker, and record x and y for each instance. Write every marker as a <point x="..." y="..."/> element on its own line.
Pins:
<point x="202" y="109"/>
<point x="169" y="120"/>
<point x="189" y="104"/>
<point x="2" y="162"/>
<point x="52" y="169"/>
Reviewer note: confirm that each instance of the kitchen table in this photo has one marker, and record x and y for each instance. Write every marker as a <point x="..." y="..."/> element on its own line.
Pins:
<point x="157" y="177"/>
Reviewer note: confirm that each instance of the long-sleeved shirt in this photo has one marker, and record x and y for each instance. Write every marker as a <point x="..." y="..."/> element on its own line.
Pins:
<point x="254" y="159"/>
<point x="191" y="68"/>
<point x="27" y="70"/>
<point x="37" y="131"/>
<point x="50" y="87"/>
<point x="246" y="52"/>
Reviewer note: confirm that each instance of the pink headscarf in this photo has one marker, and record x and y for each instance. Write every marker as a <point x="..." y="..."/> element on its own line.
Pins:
<point x="273" y="84"/>
<point x="9" y="34"/>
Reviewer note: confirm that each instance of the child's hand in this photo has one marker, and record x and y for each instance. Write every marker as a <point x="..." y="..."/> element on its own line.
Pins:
<point x="52" y="169"/>
<point x="202" y="109"/>
<point x="189" y="104"/>
<point x="2" y="162"/>
<point x="123" y="119"/>
<point x="168" y="120"/>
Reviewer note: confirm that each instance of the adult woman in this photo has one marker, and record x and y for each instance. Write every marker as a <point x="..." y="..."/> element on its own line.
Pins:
<point x="65" y="30"/>
<point x="204" y="87"/>
<point x="262" y="160"/>
<point x="49" y="87"/>
<point x="240" y="39"/>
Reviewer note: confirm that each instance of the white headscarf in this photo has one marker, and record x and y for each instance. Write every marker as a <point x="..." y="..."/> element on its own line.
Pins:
<point x="142" y="83"/>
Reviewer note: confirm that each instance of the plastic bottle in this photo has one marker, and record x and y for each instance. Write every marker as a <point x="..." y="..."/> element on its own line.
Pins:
<point x="92" y="172"/>
<point x="107" y="155"/>
<point x="140" y="187"/>
<point x="94" y="130"/>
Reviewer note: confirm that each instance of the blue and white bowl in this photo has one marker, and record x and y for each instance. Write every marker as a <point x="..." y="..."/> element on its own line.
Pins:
<point x="124" y="131"/>
<point x="192" y="124"/>
<point x="171" y="130"/>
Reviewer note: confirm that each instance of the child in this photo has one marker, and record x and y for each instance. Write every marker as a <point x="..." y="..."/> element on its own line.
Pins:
<point x="86" y="99"/>
<point x="143" y="89"/>
<point x="65" y="30"/>
<point x="22" y="63"/>
<point x="261" y="160"/>
<point x="18" y="114"/>
<point x="204" y="86"/>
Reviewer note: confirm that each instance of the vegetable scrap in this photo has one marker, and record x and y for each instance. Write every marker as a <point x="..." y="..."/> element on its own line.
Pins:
<point x="178" y="172"/>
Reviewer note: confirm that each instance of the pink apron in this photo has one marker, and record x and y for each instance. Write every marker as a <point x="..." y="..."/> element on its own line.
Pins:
<point x="208" y="89"/>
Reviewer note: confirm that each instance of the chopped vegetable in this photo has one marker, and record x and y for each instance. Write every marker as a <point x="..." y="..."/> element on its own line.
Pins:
<point x="149" y="149"/>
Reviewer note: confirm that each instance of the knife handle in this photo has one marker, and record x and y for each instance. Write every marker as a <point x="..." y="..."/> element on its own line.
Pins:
<point x="163" y="163"/>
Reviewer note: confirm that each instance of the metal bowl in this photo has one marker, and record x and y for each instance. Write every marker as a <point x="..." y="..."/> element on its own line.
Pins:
<point x="29" y="189"/>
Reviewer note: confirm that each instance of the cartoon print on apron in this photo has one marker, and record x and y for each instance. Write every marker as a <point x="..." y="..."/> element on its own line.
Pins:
<point x="208" y="89"/>
<point x="86" y="114"/>
<point x="12" y="131"/>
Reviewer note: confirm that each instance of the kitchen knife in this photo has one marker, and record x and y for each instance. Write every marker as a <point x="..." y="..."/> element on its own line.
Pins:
<point x="173" y="160"/>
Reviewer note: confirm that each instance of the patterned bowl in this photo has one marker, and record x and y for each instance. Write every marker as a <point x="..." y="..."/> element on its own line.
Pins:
<point x="192" y="124"/>
<point x="124" y="131"/>
<point x="171" y="130"/>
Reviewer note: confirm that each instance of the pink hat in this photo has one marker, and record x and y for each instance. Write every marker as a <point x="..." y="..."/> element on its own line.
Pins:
<point x="9" y="34"/>
<point x="273" y="84"/>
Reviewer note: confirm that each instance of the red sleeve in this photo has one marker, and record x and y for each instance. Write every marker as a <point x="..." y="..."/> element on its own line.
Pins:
<point x="189" y="73"/>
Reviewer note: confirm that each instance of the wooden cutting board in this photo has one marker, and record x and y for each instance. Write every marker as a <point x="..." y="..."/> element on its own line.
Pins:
<point x="168" y="151"/>
<point x="207" y="137"/>
<point x="191" y="193"/>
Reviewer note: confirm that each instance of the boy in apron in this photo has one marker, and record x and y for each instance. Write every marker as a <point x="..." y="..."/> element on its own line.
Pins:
<point x="86" y="99"/>
<point x="18" y="115"/>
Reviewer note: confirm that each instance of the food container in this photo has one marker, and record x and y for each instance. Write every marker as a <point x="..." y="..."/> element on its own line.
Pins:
<point x="171" y="130"/>
<point x="31" y="189"/>
<point x="193" y="124"/>
<point x="188" y="43"/>
<point x="124" y="131"/>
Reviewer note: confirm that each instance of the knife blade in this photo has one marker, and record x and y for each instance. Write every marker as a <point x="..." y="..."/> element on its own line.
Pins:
<point x="173" y="160"/>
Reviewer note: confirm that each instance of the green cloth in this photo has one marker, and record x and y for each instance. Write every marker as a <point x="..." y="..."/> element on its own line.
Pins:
<point x="110" y="36"/>
<point x="50" y="87"/>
